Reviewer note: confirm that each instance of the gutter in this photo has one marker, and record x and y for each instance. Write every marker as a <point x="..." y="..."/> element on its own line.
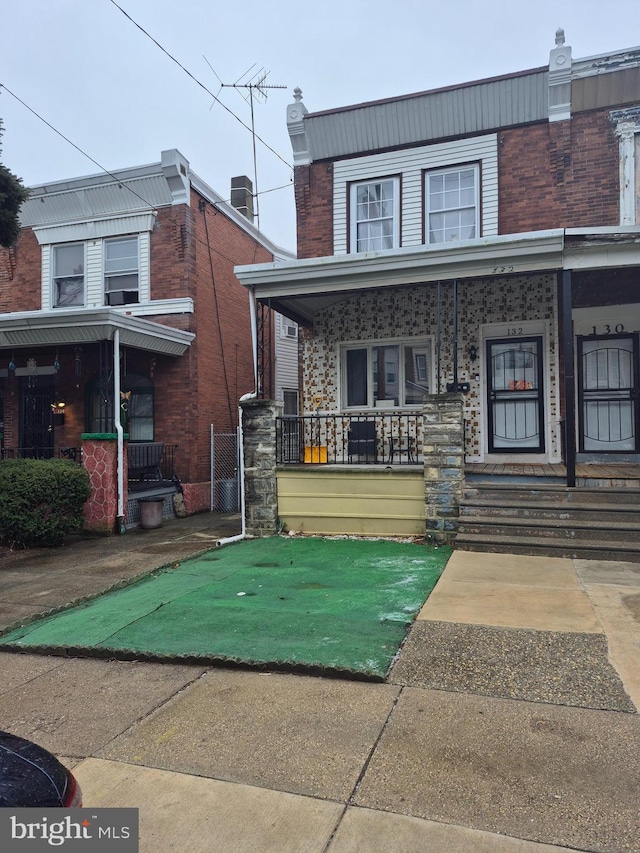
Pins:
<point x="119" y="431"/>
<point x="252" y="395"/>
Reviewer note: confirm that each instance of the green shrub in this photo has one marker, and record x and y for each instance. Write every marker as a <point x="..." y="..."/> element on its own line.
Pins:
<point x="41" y="501"/>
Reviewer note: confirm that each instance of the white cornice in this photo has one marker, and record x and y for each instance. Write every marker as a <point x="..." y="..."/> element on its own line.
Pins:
<point x="501" y="255"/>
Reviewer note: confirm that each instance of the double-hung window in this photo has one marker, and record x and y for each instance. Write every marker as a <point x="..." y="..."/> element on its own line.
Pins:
<point x="121" y="270"/>
<point x="68" y="275"/>
<point x="452" y="204"/>
<point x="375" y="215"/>
<point x="382" y="375"/>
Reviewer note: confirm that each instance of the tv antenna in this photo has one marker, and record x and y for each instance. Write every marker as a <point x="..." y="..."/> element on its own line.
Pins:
<point x="255" y="89"/>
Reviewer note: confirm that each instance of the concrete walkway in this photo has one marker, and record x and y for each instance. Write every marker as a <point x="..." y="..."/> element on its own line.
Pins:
<point x="529" y="743"/>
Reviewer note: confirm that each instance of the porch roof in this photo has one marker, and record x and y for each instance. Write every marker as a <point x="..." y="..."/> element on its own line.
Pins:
<point x="300" y="289"/>
<point x="57" y="328"/>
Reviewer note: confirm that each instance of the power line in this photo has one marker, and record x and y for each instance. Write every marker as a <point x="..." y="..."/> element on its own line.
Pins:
<point x="202" y="85"/>
<point x="147" y="203"/>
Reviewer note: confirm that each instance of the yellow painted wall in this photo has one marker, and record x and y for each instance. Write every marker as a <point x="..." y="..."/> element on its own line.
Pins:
<point x="353" y="500"/>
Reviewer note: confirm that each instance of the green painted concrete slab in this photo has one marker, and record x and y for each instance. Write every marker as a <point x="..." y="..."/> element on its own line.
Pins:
<point x="337" y="604"/>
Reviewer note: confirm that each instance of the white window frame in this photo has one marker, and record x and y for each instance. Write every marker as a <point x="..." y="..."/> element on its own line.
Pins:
<point x="288" y="329"/>
<point x="627" y="129"/>
<point x="114" y="275"/>
<point x="422" y="346"/>
<point x="54" y="289"/>
<point x="394" y="180"/>
<point x="429" y="212"/>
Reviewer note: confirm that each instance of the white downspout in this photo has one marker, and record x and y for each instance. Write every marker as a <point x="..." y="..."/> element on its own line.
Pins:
<point x="119" y="431"/>
<point x="250" y="396"/>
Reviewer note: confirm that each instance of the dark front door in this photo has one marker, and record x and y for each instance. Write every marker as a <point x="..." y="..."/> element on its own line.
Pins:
<point x="36" y="422"/>
<point x="515" y="401"/>
<point x="608" y="394"/>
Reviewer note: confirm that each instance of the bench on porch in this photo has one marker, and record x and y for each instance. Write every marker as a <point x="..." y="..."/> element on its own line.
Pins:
<point x="145" y="460"/>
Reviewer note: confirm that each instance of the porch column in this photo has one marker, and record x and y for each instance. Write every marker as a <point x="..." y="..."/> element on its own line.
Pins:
<point x="100" y="458"/>
<point x="569" y="381"/>
<point x="259" y="438"/>
<point x="443" y="426"/>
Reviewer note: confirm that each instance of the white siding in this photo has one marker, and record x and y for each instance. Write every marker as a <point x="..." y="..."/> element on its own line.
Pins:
<point x="93" y="283"/>
<point x="144" y="289"/>
<point x="286" y="353"/>
<point x="46" y="283"/>
<point x="411" y="164"/>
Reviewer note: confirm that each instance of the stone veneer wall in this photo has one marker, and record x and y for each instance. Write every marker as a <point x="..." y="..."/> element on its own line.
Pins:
<point x="411" y="311"/>
<point x="100" y="458"/>
<point x="261" y="491"/>
<point x="443" y="465"/>
<point x="197" y="497"/>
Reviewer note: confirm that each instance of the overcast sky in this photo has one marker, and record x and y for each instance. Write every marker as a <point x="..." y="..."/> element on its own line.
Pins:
<point x="92" y="74"/>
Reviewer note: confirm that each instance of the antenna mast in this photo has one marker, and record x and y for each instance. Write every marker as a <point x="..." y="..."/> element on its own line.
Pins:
<point x="256" y="87"/>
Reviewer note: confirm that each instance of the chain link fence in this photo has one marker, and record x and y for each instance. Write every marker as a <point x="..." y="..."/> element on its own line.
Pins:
<point x="225" y="492"/>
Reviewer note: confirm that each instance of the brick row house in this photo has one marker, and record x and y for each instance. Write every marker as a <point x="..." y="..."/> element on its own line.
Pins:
<point x="119" y="308"/>
<point x="468" y="293"/>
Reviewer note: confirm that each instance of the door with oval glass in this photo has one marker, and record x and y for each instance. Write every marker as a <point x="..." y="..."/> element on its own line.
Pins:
<point x="608" y="417"/>
<point x="515" y="395"/>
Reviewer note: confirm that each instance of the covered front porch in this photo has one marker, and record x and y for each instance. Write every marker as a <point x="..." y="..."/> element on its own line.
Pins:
<point x="436" y="366"/>
<point x="75" y="377"/>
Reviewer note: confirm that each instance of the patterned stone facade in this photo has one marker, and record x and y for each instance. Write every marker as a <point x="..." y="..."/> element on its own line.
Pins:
<point x="261" y="495"/>
<point x="100" y="458"/>
<point x="443" y="465"/>
<point x="411" y="312"/>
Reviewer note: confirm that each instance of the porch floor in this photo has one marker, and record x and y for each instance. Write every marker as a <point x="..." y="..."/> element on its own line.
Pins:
<point x="558" y="471"/>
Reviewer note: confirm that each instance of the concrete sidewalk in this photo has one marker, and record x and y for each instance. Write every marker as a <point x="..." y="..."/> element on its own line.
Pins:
<point x="529" y="742"/>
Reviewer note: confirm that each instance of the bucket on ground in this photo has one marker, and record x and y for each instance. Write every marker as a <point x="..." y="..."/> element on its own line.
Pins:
<point x="151" y="512"/>
<point x="227" y="495"/>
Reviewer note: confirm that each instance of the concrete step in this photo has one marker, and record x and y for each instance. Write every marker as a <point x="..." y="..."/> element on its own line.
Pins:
<point x="581" y="495"/>
<point x="591" y="512"/>
<point x="557" y="528"/>
<point x="535" y="547"/>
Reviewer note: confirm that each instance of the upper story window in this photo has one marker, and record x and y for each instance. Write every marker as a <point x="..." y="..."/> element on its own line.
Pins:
<point x="384" y="375"/>
<point x="68" y="275"/>
<point x="452" y="204"/>
<point x="121" y="265"/>
<point x="375" y="215"/>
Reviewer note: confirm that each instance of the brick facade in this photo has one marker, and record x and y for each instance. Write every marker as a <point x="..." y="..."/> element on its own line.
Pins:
<point x="193" y="251"/>
<point x="550" y="175"/>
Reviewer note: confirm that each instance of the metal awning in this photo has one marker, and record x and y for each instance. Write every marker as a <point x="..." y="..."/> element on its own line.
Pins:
<point x="58" y="328"/>
<point x="301" y="289"/>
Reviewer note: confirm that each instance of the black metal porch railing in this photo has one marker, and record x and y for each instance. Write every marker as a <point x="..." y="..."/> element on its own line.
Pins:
<point x="150" y="461"/>
<point x="72" y="453"/>
<point x="359" y="439"/>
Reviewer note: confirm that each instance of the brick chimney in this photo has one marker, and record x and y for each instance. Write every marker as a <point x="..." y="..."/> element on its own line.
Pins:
<point x="242" y="196"/>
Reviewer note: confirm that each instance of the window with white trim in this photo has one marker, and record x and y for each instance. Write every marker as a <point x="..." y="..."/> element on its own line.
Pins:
<point x="289" y="329"/>
<point x="121" y="269"/>
<point x="375" y="215"/>
<point x="627" y="129"/>
<point x="68" y="275"/>
<point x="386" y="374"/>
<point x="452" y="210"/>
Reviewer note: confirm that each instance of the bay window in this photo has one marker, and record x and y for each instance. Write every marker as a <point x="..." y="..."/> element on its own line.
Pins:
<point x="452" y="204"/>
<point x="386" y="374"/>
<point x="375" y="215"/>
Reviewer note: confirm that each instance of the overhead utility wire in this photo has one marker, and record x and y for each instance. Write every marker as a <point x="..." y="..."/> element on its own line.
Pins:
<point x="160" y="212"/>
<point x="202" y="86"/>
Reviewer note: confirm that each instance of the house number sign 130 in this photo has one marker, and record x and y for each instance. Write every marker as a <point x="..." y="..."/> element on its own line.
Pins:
<point x="606" y="329"/>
